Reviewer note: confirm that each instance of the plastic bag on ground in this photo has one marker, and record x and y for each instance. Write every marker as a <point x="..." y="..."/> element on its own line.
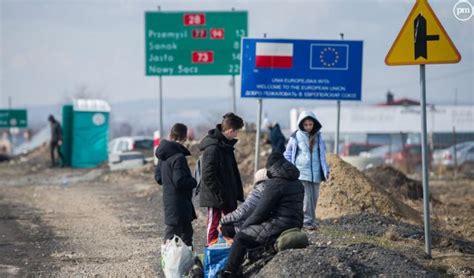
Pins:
<point x="176" y="258"/>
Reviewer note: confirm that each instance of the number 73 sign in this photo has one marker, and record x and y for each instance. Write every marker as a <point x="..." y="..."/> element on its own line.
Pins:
<point x="194" y="43"/>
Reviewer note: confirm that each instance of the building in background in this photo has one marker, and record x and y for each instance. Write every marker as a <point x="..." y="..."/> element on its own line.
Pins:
<point x="396" y="122"/>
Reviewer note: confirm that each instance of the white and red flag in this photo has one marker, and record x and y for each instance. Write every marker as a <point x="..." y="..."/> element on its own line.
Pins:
<point x="274" y="55"/>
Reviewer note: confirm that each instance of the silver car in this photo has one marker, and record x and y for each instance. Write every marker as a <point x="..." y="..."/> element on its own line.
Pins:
<point x="464" y="155"/>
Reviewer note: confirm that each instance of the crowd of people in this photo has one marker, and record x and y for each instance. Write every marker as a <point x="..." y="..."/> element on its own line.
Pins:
<point x="285" y="192"/>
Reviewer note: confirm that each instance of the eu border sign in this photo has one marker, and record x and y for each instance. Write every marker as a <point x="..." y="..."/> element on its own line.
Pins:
<point x="301" y="69"/>
<point x="194" y="43"/>
<point x="13" y="118"/>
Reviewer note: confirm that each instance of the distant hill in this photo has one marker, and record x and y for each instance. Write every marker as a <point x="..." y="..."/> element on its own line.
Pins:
<point x="144" y="114"/>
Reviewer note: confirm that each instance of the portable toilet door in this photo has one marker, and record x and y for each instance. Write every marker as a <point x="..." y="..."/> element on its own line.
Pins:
<point x="66" y="147"/>
<point x="90" y="134"/>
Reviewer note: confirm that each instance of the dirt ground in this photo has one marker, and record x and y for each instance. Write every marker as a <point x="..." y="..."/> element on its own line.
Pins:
<point x="88" y="223"/>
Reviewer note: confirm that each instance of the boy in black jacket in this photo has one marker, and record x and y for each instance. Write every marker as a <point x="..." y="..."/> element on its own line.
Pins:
<point x="173" y="173"/>
<point x="221" y="186"/>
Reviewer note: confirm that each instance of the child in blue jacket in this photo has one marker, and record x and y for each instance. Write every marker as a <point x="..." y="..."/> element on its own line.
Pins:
<point x="306" y="150"/>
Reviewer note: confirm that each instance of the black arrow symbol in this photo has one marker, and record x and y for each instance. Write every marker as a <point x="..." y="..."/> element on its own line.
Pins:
<point x="421" y="38"/>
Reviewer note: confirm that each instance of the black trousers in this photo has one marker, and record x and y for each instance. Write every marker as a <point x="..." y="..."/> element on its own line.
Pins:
<point x="184" y="231"/>
<point x="54" y="146"/>
<point x="237" y="252"/>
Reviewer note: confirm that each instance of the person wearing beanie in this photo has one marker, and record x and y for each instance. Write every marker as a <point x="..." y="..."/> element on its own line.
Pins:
<point x="221" y="185"/>
<point x="279" y="209"/>
<point x="232" y="222"/>
<point x="307" y="151"/>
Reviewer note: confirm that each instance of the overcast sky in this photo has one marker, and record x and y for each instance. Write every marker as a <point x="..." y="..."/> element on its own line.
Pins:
<point x="50" y="48"/>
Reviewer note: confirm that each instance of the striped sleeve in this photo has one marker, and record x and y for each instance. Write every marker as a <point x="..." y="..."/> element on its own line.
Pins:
<point x="245" y="209"/>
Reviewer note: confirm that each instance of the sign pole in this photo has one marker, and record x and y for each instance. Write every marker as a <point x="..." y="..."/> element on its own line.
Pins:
<point x="259" y="127"/>
<point x="161" y="106"/>
<point x="336" y="140"/>
<point x="424" y="152"/>
<point x="338" y="123"/>
<point x="257" y="138"/>
<point x="234" y="104"/>
<point x="160" y="77"/>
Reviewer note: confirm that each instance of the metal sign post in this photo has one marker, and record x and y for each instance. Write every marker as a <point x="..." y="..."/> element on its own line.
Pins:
<point x="161" y="105"/>
<point x="234" y="104"/>
<point x="259" y="127"/>
<point x="336" y="139"/>
<point x="257" y="138"/>
<point x="338" y="121"/>
<point x="424" y="153"/>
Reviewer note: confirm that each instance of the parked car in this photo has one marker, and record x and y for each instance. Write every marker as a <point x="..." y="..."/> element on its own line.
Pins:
<point x="406" y="157"/>
<point x="464" y="155"/>
<point x="363" y="163"/>
<point x="381" y="151"/>
<point x="350" y="149"/>
<point x="126" y="160"/>
<point x="141" y="144"/>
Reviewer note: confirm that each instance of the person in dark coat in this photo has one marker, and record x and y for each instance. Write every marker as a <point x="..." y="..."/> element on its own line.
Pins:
<point x="174" y="174"/>
<point x="56" y="140"/>
<point x="221" y="186"/>
<point x="276" y="138"/>
<point x="280" y="209"/>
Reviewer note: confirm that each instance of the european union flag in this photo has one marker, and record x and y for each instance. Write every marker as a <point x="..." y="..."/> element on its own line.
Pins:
<point x="329" y="56"/>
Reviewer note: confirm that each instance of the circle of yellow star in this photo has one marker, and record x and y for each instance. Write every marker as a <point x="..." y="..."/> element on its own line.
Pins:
<point x="326" y="62"/>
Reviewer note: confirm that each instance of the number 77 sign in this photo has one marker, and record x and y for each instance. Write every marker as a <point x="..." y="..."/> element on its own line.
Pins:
<point x="194" y="43"/>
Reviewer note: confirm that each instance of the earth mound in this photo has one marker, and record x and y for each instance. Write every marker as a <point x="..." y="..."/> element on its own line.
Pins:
<point x="349" y="191"/>
<point x="396" y="182"/>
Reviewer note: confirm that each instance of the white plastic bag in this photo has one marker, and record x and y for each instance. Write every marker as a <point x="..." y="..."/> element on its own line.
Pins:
<point x="176" y="258"/>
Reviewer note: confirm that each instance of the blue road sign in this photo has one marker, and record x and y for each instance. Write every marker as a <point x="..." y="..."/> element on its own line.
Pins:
<point x="302" y="69"/>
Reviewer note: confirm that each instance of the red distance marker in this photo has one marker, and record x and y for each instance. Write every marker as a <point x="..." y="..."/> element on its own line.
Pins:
<point x="203" y="57"/>
<point x="199" y="33"/>
<point x="217" y="33"/>
<point x="194" y="19"/>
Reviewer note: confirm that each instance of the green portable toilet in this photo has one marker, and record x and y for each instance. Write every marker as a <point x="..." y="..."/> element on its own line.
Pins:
<point x="90" y="133"/>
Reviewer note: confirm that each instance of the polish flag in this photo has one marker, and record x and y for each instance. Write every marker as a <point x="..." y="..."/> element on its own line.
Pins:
<point x="274" y="55"/>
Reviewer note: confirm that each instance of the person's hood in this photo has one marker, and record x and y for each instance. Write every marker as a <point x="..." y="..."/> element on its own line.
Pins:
<point x="167" y="149"/>
<point x="215" y="137"/>
<point x="283" y="169"/>
<point x="276" y="127"/>
<point x="308" y="114"/>
<point x="260" y="176"/>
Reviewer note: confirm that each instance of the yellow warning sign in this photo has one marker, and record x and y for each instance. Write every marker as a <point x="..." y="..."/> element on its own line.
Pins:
<point x="422" y="40"/>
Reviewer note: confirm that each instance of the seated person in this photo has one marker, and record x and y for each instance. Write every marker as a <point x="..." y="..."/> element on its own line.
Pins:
<point x="232" y="222"/>
<point x="279" y="209"/>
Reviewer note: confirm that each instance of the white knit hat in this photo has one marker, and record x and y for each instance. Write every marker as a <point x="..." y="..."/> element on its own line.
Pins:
<point x="260" y="175"/>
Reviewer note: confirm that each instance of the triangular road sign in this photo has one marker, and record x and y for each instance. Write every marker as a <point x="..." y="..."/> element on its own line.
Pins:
<point x="422" y="40"/>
